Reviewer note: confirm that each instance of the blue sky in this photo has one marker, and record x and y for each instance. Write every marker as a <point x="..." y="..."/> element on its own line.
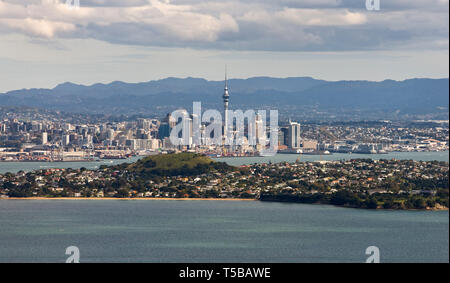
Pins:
<point x="45" y="42"/>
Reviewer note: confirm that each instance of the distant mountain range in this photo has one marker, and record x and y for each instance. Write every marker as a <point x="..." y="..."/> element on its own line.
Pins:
<point x="301" y="97"/>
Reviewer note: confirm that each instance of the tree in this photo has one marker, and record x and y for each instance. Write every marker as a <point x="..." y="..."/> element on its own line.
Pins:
<point x="388" y="204"/>
<point x="419" y="203"/>
<point x="371" y="203"/>
<point x="123" y="193"/>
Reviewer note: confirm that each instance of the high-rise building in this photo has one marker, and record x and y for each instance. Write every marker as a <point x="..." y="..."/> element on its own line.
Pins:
<point x="170" y="120"/>
<point x="188" y="128"/>
<point x="44" y="138"/>
<point x="89" y="140"/>
<point x="3" y="128"/>
<point x="283" y="135"/>
<point x="226" y="99"/>
<point x="143" y="124"/>
<point x="294" y="140"/>
<point x="65" y="140"/>
<point x="260" y="131"/>
<point x="195" y="130"/>
<point x="110" y="134"/>
<point x="164" y="131"/>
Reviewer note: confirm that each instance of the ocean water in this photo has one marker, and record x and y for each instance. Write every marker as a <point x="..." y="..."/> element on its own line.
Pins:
<point x="14" y="167"/>
<point x="215" y="231"/>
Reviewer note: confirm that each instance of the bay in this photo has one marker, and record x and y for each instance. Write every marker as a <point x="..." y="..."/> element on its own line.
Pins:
<point x="215" y="231"/>
<point x="15" y="167"/>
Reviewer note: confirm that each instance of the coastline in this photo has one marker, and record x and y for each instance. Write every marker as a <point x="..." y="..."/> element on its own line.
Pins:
<point x="58" y="161"/>
<point x="439" y="208"/>
<point x="379" y="208"/>
<point x="225" y="157"/>
<point x="112" y="198"/>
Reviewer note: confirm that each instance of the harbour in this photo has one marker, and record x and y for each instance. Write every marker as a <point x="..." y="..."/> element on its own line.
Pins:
<point x="14" y="167"/>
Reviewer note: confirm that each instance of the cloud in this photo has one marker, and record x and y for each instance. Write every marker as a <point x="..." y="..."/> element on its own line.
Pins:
<point x="309" y="17"/>
<point x="283" y="25"/>
<point x="38" y="27"/>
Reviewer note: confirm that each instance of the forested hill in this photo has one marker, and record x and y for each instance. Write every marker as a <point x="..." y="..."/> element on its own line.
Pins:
<point x="292" y="96"/>
<point x="181" y="164"/>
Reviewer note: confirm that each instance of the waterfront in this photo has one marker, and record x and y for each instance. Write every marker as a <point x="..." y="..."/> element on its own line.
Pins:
<point x="419" y="156"/>
<point x="215" y="231"/>
<point x="15" y="167"/>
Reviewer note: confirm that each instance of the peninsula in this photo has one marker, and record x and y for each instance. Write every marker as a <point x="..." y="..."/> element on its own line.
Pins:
<point x="358" y="183"/>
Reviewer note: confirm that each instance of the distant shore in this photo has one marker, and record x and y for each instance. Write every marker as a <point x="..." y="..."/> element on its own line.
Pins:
<point x="59" y="161"/>
<point x="112" y="198"/>
<point x="227" y="157"/>
<point x="437" y="208"/>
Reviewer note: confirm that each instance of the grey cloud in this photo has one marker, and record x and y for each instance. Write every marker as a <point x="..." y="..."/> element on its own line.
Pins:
<point x="111" y="3"/>
<point x="267" y="25"/>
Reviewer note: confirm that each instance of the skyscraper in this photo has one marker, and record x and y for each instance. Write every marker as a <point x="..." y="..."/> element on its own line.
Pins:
<point x="168" y="123"/>
<point x="283" y="136"/>
<point x="44" y="138"/>
<point x="65" y="139"/>
<point x="294" y="135"/>
<point x="260" y="132"/>
<point x="226" y="99"/>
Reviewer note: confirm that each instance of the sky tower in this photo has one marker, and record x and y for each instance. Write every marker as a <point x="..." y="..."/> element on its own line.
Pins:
<point x="226" y="99"/>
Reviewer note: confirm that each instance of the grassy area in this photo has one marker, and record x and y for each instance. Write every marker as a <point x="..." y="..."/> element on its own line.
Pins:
<point x="176" y="164"/>
<point x="171" y="161"/>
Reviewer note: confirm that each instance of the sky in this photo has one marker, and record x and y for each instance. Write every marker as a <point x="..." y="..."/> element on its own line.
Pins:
<point x="47" y="42"/>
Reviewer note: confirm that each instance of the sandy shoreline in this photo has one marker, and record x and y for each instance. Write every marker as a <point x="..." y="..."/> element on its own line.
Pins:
<point x="111" y="198"/>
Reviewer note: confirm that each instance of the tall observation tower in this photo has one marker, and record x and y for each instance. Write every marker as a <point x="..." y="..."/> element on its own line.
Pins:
<point x="226" y="99"/>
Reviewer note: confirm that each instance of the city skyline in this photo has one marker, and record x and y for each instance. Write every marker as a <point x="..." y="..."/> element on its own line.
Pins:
<point x="209" y="134"/>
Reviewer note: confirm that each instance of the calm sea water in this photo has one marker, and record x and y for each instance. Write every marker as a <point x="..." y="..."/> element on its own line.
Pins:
<point x="215" y="231"/>
<point x="14" y="167"/>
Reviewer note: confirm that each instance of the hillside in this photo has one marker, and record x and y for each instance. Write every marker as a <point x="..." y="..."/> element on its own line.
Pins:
<point x="183" y="164"/>
<point x="301" y="98"/>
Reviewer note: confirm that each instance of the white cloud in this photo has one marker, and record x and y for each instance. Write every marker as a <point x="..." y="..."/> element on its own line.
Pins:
<point x="35" y="27"/>
<point x="233" y="24"/>
<point x="314" y="17"/>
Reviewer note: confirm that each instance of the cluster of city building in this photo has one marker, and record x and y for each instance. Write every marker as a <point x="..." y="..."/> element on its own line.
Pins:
<point x="62" y="141"/>
<point x="379" y="138"/>
<point x="41" y="139"/>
